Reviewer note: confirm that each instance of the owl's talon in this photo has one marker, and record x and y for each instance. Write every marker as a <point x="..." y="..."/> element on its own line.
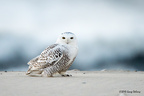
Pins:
<point x="66" y="75"/>
<point x="69" y="75"/>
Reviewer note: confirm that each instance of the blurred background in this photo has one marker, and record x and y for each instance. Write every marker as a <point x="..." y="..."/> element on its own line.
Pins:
<point x="110" y="32"/>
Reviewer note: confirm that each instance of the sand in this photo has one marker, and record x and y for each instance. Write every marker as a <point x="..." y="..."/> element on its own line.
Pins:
<point x="82" y="83"/>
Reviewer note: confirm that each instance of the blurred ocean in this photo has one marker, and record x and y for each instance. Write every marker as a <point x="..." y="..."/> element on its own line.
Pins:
<point x="110" y="32"/>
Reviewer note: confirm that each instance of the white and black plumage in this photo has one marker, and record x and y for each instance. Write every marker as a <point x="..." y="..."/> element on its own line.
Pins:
<point x="57" y="58"/>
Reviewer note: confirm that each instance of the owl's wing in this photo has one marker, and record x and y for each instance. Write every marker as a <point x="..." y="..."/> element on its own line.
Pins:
<point x="33" y="60"/>
<point x="48" y="57"/>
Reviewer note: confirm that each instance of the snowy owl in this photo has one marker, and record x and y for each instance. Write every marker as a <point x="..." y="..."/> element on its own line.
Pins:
<point x="57" y="58"/>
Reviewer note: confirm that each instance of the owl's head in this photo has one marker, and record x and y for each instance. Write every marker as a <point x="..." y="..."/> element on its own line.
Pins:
<point x="67" y="38"/>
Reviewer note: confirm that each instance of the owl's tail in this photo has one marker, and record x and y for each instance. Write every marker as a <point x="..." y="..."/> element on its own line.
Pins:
<point x="32" y="70"/>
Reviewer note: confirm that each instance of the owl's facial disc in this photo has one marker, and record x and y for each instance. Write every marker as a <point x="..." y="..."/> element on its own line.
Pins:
<point x="67" y="38"/>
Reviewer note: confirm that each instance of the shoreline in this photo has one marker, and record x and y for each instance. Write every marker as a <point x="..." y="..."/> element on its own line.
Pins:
<point x="82" y="83"/>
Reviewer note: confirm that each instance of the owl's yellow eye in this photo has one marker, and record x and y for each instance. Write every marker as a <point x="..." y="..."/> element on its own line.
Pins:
<point x="63" y="37"/>
<point x="71" y="37"/>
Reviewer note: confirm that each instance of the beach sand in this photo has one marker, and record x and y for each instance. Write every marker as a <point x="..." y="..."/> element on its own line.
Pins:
<point x="82" y="83"/>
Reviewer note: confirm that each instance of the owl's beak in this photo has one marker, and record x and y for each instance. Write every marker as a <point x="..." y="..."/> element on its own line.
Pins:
<point x="67" y="41"/>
